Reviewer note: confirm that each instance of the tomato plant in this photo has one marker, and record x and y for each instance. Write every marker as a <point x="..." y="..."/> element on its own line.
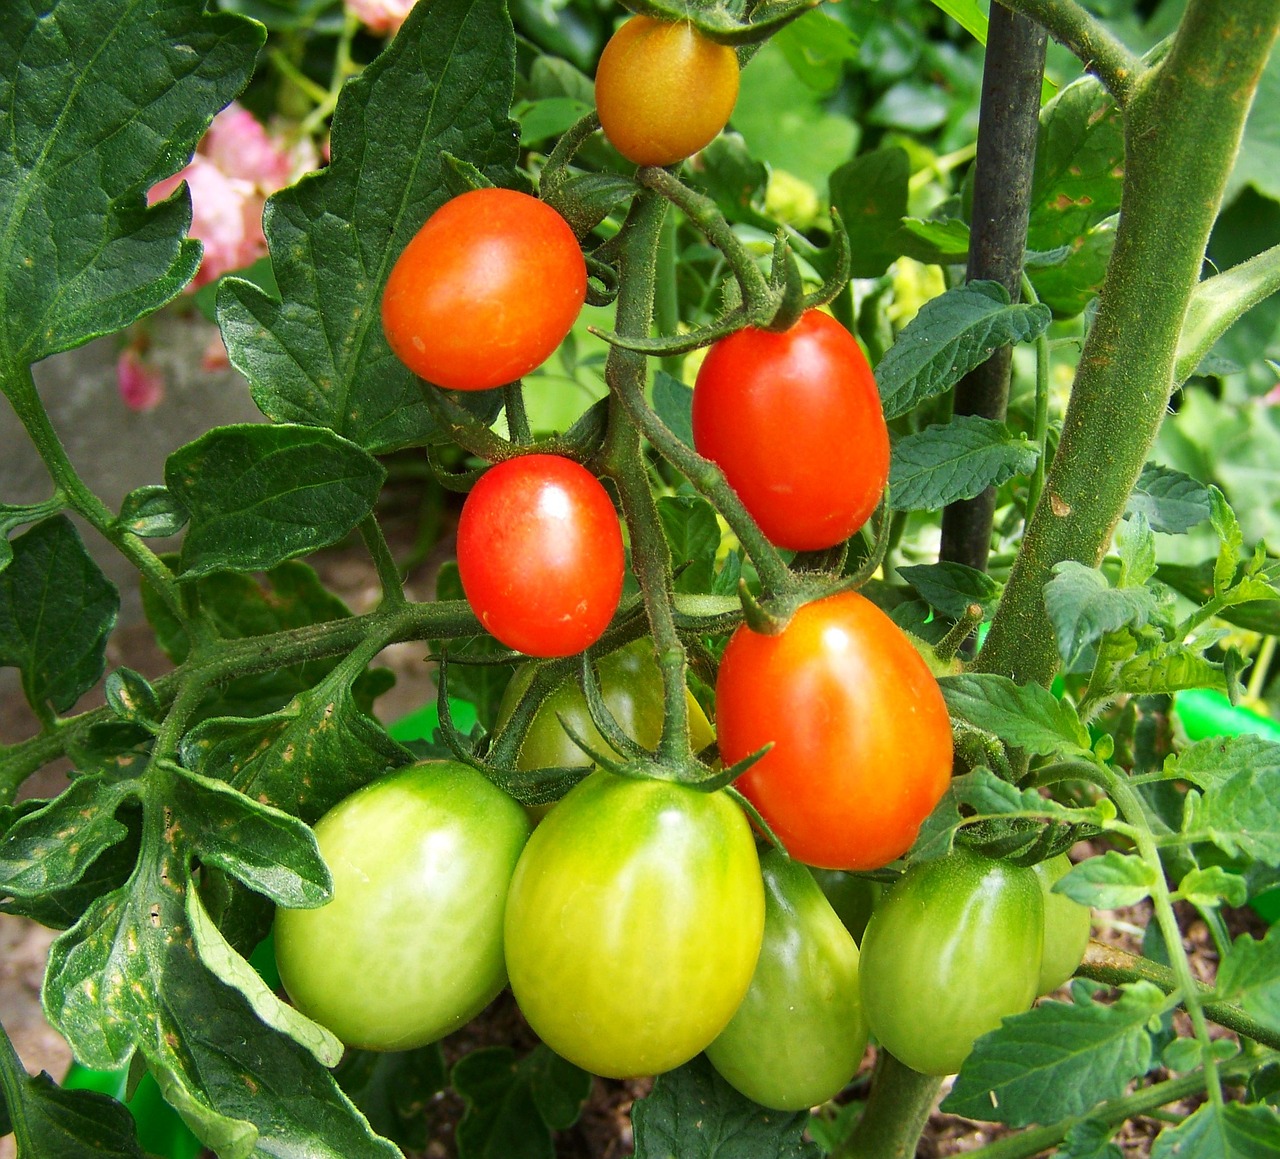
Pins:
<point x="540" y="555"/>
<point x="1066" y="927"/>
<point x="822" y="483"/>
<point x="799" y="1034"/>
<point x="485" y="291"/>
<point x="851" y="792"/>
<point x="634" y="923"/>
<point x="631" y="686"/>
<point x="410" y="947"/>
<point x="950" y="950"/>
<point x="663" y="90"/>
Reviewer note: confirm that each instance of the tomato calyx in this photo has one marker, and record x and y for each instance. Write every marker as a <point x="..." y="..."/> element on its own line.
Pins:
<point x="719" y="26"/>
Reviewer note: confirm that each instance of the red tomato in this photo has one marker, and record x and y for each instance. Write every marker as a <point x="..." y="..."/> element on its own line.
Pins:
<point x="540" y="555"/>
<point x="793" y="420"/>
<point x="485" y="291"/>
<point x="861" y="737"/>
<point x="663" y="90"/>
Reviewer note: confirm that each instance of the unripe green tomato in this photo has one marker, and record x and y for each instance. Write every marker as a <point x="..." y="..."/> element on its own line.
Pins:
<point x="952" y="949"/>
<point x="800" y="1033"/>
<point x="634" y="923"/>
<point x="852" y="896"/>
<point x="631" y="686"/>
<point x="410" y="947"/>
<point x="1066" y="927"/>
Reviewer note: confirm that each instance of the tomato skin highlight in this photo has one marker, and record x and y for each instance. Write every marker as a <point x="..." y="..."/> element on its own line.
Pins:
<point x="1067" y="925"/>
<point x="540" y="555"/>
<point x="952" y="948"/>
<point x="634" y="923"/>
<point x="663" y="90"/>
<point x="410" y="947"/>
<point x="631" y="685"/>
<point x="860" y="733"/>
<point x="818" y="485"/>
<point x="485" y="291"/>
<point x="800" y="1033"/>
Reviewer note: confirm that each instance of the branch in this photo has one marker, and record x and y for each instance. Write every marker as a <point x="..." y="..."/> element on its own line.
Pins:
<point x="1220" y="301"/>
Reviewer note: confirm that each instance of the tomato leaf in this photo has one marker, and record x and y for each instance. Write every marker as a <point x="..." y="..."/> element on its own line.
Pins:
<point x="513" y="1106"/>
<point x="52" y="847"/>
<point x="82" y="254"/>
<point x="693" y="534"/>
<point x="318" y="355"/>
<point x="260" y="494"/>
<point x="952" y="334"/>
<point x="1058" y="1060"/>
<point x="56" y="611"/>
<point x="1083" y="607"/>
<point x="1240" y="809"/>
<point x="394" y="1089"/>
<point x="52" y="1121"/>
<point x="1225" y="1132"/>
<point x="1250" y="975"/>
<point x="152" y="512"/>
<point x="870" y="194"/>
<point x="1111" y="881"/>
<point x="673" y="402"/>
<point x="276" y="758"/>
<point x="1256" y="608"/>
<point x="693" y="1113"/>
<point x="952" y="587"/>
<point x="1025" y="716"/>
<point x="955" y="460"/>
<point x="482" y="684"/>
<point x="1089" y="1140"/>
<point x="1172" y="502"/>
<point x="1213" y="886"/>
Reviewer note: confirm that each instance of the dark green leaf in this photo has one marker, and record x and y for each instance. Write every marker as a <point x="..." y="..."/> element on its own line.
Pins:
<point x="693" y="1113"/>
<point x="15" y="515"/>
<point x="674" y="403"/>
<point x="1171" y="501"/>
<point x="734" y="179"/>
<point x="1079" y="165"/>
<point x="393" y="1090"/>
<point x="1025" y="716"/>
<point x="1058" y="1060"/>
<point x="269" y="850"/>
<point x="152" y="512"/>
<point x="100" y="99"/>
<point x="1069" y="286"/>
<point x="940" y="241"/>
<point x="318" y="355"/>
<point x="691" y="530"/>
<point x="56" y="611"/>
<point x="513" y="1106"/>
<point x="303" y="759"/>
<point x="956" y="460"/>
<point x="54" y="1122"/>
<point x="52" y="847"/>
<point x="870" y="193"/>
<point x="951" y="335"/>
<point x="817" y="46"/>
<point x="952" y="587"/>
<point x="1231" y="1131"/>
<point x="132" y="698"/>
<point x="260" y="494"/>
<point x="1083" y="608"/>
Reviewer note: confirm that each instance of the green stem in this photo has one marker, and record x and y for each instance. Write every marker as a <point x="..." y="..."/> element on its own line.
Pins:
<point x="383" y="561"/>
<point x="1219" y="301"/>
<point x="667" y="296"/>
<point x="1130" y="806"/>
<point x="1182" y="132"/>
<point x="21" y="392"/>
<point x="1098" y="50"/>
<point x="343" y="67"/>
<point x="1040" y="431"/>
<point x="221" y="660"/>
<point x="517" y="416"/>
<point x="896" y="1113"/>
<point x="622" y="458"/>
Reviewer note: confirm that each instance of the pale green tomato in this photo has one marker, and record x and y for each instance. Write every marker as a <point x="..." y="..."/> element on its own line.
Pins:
<point x="410" y="947"/>
<point x="1066" y="927"/>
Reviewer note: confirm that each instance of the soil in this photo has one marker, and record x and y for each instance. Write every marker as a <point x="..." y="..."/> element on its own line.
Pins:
<point x="604" y="1129"/>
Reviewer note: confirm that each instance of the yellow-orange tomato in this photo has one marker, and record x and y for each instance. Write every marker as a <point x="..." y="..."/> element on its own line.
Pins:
<point x="485" y="291"/>
<point x="663" y="90"/>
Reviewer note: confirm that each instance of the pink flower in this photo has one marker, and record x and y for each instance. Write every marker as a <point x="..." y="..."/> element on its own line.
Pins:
<point x="141" y="382"/>
<point x="382" y="17"/>
<point x="236" y="167"/>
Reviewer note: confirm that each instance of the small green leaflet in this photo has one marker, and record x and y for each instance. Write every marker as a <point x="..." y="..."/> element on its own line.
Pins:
<point x="673" y="402"/>
<point x="870" y="194"/>
<point x="952" y="334"/>
<point x="1058" y="1060"/>
<point x="1239" y="810"/>
<point x="1024" y="716"/>
<point x="1083" y="608"/>
<point x="1111" y="881"/>
<point x="952" y="587"/>
<point x="1250" y="975"/>
<point x="1171" y="501"/>
<point x="1231" y="1131"/>
<point x="956" y="460"/>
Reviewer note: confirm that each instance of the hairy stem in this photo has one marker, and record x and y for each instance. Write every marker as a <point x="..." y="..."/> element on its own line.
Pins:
<point x="895" y="1115"/>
